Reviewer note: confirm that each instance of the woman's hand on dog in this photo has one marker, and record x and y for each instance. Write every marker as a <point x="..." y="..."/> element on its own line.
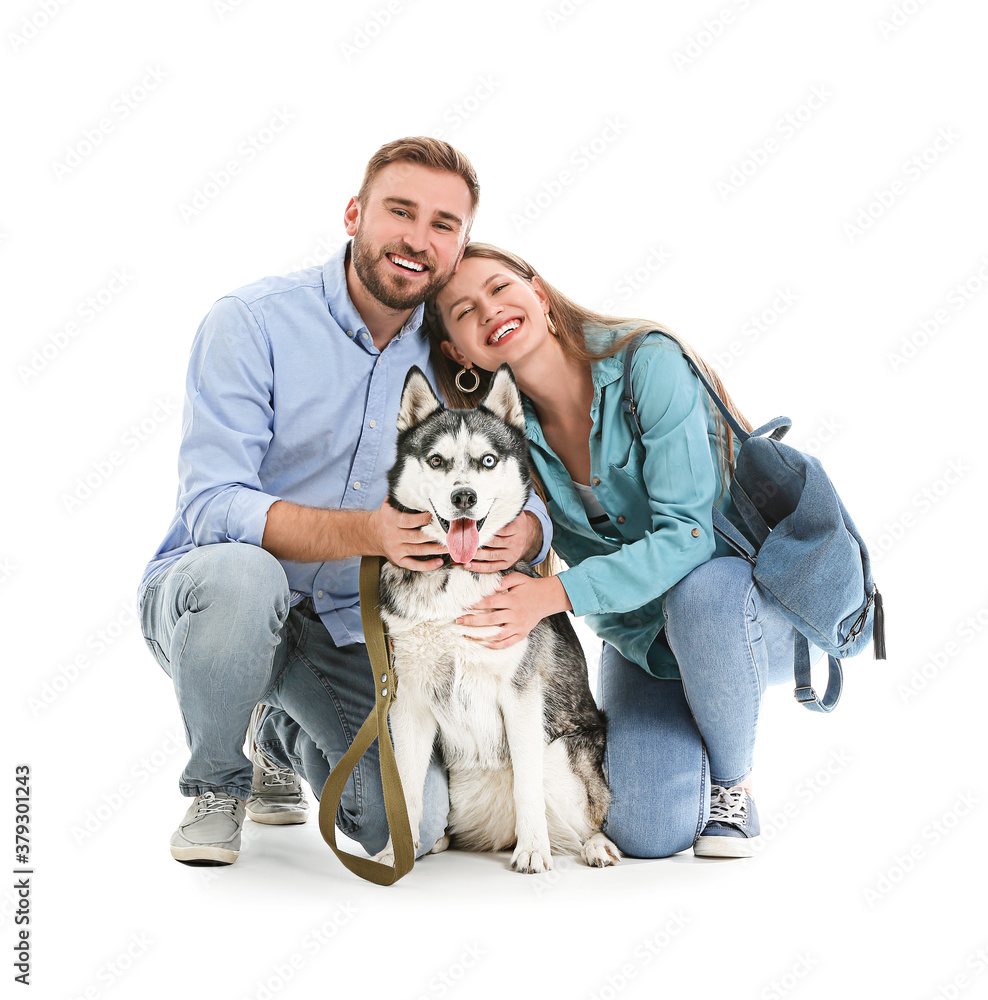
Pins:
<point x="518" y="539"/>
<point x="517" y="606"/>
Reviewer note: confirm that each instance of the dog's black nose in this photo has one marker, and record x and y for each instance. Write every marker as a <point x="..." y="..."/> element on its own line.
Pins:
<point x="463" y="498"/>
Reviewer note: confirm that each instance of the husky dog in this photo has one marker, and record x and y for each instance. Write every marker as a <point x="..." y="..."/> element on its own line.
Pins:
<point x="518" y="727"/>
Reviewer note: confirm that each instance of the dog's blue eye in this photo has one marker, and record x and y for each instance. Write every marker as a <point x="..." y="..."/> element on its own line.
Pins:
<point x="435" y="461"/>
<point x="489" y="461"/>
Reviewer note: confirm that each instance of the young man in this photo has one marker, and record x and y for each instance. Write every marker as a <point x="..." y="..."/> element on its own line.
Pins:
<point x="250" y="603"/>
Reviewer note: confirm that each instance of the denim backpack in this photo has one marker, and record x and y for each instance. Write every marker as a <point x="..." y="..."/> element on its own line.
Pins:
<point x="809" y="559"/>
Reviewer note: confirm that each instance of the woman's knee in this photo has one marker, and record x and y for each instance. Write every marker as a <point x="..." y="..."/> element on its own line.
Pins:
<point x="656" y="762"/>
<point x="715" y="595"/>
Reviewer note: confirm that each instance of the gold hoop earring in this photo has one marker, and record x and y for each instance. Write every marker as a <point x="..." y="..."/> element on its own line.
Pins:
<point x="551" y="325"/>
<point x="461" y="386"/>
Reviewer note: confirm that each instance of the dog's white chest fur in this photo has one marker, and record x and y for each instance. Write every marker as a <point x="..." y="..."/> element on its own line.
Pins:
<point x="459" y="679"/>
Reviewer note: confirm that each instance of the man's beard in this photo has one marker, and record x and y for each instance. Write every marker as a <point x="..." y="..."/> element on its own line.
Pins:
<point x="394" y="292"/>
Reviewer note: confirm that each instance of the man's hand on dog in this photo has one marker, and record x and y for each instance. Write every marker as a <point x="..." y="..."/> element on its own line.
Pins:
<point x="518" y="539"/>
<point x="518" y="605"/>
<point x="397" y="537"/>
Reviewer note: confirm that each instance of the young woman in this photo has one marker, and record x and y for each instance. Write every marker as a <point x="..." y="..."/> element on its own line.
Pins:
<point x="689" y="643"/>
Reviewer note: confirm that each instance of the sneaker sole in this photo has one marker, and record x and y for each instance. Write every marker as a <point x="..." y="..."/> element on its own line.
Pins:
<point x="285" y="817"/>
<point x="726" y="847"/>
<point x="204" y="855"/>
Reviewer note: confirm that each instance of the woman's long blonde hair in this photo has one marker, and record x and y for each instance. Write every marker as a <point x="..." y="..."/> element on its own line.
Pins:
<point x="571" y="322"/>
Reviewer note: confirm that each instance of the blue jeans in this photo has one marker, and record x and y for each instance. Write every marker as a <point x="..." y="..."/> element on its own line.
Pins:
<point x="667" y="740"/>
<point x="218" y="622"/>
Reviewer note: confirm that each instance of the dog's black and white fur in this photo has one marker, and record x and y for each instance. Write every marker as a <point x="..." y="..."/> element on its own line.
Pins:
<point x="518" y="727"/>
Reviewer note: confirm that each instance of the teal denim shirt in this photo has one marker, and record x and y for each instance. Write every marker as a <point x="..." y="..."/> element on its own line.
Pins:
<point x="657" y="490"/>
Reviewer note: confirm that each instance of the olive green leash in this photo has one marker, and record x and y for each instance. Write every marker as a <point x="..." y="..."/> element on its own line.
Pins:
<point x="375" y="727"/>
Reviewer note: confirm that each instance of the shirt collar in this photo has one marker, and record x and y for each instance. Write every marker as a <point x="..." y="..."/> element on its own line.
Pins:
<point x="340" y="304"/>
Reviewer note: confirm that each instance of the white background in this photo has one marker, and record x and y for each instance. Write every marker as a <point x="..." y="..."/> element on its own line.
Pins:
<point x="872" y="881"/>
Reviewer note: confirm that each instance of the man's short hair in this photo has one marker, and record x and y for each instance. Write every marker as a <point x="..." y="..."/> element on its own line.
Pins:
<point x="427" y="152"/>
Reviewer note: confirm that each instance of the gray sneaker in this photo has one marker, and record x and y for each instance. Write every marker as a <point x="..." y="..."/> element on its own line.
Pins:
<point x="732" y="830"/>
<point x="276" y="795"/>
<point x="210" y="832"/>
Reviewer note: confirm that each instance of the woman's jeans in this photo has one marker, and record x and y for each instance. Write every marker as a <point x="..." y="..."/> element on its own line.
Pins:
<point x="218" y="621"/>
<point x="668" y="741"/>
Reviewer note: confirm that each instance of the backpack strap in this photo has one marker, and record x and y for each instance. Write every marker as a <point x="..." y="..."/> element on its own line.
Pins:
<point x="804" y="692"/>
<point x="721" y="525"/>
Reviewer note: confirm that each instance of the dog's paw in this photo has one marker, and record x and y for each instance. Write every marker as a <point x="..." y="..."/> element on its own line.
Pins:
<point x="599" y="852"/>
<point x="531" y="860"/>
<point x="386" y="857"/>
<point x="441" y="844"/>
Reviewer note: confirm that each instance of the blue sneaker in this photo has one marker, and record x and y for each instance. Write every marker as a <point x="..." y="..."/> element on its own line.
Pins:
<point x="732" y="830"/>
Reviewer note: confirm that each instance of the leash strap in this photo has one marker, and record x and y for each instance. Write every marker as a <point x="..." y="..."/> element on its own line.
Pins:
<point x="375" y="727"/>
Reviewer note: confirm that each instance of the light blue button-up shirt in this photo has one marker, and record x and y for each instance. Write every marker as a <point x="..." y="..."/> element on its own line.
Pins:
<point x="287" y="398"/>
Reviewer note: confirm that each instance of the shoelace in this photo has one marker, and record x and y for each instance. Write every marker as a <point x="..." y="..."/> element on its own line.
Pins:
<point x="274" y="774"/>
<point x="728" y="805"/>
<point x="210" y="802"/>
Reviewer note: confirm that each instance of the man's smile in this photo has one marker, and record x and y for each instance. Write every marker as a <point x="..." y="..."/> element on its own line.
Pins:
<point x="406" y="265"/>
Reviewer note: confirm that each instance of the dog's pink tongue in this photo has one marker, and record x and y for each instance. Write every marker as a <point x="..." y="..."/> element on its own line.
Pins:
<point x="463" y="540"/>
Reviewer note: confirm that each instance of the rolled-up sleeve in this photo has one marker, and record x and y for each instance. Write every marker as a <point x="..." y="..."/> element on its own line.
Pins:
<point x="680" y="483"/>
<point x="226" y="428"/>
<point x="537" y="507"/>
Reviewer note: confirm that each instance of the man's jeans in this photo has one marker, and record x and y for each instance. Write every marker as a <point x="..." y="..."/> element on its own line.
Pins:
<point x="218" y="622"/>
<point x="667" y="740"/>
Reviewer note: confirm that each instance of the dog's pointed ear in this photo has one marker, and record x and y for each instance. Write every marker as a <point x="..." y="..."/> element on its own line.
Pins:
<point x="418" y="401"/>
<point x="503" y="398"/>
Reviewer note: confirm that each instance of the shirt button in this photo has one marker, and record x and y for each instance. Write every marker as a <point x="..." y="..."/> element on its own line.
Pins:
<point x="695" y="532"/>
<point x="365" y="335"/>
<point x="318" y="593"/>
<point x="378" y="360"/>
<point x="356" y="486"/>
<point x="597" y="435"/>
<point x="595" y="481"/>
<point x="621" y="519"/>
<point x="373" y="423"/>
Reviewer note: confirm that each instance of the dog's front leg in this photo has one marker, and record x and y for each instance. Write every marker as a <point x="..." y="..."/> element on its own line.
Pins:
<point x="522" y="712"/>
<point x="413" y="732"/>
